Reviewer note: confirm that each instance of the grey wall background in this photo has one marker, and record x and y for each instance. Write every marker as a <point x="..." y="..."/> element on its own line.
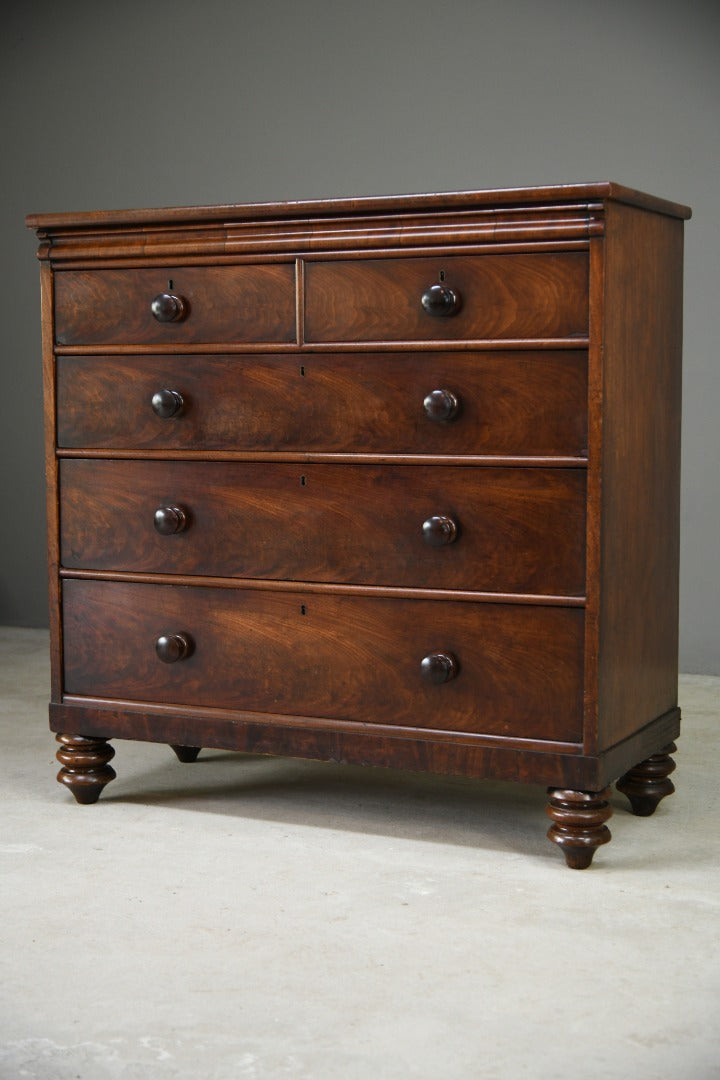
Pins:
<point x="134" y="104"/>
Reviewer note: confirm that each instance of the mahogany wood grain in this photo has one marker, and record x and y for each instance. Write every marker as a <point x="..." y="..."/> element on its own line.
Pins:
<point x="244" y="244"/>
<point x="52" y="505"/>
<point x="524" y="403"/>
<point x="229" y="303"/>
<point x="385" y="592"/>
<point x="518" y="530"/>
<point x="303" y="557"/>
<point x="593" y="554"/>
<point x="345" y="657"/>
<point x="640" y="523"/>
<point x="393" y="746"/>
<point x="435" y="202"/>
<point x="307" y="348"/>
<point x="536" y="295"/>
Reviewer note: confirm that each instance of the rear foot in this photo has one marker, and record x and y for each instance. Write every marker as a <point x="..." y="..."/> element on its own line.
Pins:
<point x="647" y="783"/>
<point x="186" y="754"/>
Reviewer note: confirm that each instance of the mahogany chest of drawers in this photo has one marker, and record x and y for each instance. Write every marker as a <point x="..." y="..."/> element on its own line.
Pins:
<point x="386" y="481"/>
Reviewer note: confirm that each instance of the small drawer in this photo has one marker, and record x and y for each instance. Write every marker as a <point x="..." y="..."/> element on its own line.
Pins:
<point x="482" y="529"/>
<point x="512" y="403"/>
<point x="175" y="305"/>
<point x="495" y="297"/>
<point x="492" y="669"/>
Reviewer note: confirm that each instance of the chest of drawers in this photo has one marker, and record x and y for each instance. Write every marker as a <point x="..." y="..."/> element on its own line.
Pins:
<point x="382" y="481"/>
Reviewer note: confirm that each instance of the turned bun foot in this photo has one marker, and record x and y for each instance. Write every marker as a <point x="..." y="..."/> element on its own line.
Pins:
<point x="647" y="783"/>
<point x="579" y="823"/>
<point x="186" y="754"/>
<point x="85" y="770"/>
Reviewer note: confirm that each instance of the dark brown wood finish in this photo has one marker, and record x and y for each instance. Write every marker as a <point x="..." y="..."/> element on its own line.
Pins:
<point x="516" y="530"/>
<point x="351" y="658"/>
<point x="186" y="754"/>
<point x="85" y="769"/>
<point x="229" y="303"/>
<point x="387" y="481"/>
<point x="52" y="509"/>
<point x="499" y="296"/>
<point x="649" y="782"/>
<point x="392" y="746"/>
<point x="519" y="403"/>
<point x="640" y="517"/>
<point x="579" y="827"/>
<point x="492" y="202"/>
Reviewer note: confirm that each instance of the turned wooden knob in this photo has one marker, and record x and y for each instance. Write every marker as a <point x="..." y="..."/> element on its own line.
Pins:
<point x="170" y="519"/>
<point x="439" y="530"/>
<point x="167" y="403"/>
<point x="168" y="307"/>
<point x="441" y="300"/>
<point x="441" y="406"/>
<point x="438" y="667"/>
<point x="173" y="647"/>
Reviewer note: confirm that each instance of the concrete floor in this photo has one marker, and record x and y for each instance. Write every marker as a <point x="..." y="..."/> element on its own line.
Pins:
<point x="245" y="917"/>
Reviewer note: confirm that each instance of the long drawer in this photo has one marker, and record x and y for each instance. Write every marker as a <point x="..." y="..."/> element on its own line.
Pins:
<point x="477" y="528"/>
<point x="250" y="303"/>
<point x="496" y="296"/>
<point x="514" y="403"/>
<point x="517" y="670"/>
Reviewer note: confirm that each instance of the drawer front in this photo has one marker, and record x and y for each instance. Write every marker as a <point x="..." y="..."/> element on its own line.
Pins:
<point x="347" y="658"/>
<point x="532" y="403"/>
<point x="500" y="296"/>
<point x="473" y="528"/>
<point x="221" y="304"/>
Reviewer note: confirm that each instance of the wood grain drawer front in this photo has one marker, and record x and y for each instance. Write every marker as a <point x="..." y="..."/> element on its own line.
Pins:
<point x="477" y="528"/>
<point x="349" y="658"/>
<point x="500" y="296"/>
<point x="220" y="304"/>
<point x="518" y="403"/>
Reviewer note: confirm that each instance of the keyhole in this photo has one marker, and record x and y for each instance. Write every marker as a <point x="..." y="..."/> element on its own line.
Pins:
<point x="303" y="609"/>
<point x="303" y="480"/>
<point x="170" y="285"/>
<point x="442" y="275"/>
<point x="302" y="370"/>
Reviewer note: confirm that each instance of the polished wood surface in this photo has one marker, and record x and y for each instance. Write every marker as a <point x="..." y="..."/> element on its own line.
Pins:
<point x="354" y="658"/>
<point x="503" y="296"/>
<point x="469" y="754"/>
<point x="229" y="303"/>
<point x="520" y="403"/>
<point x="390" y="481"/>
<point x="640" y="513"/>
<point x="85" y="766"/>
<point x="396" y="205"/>
<point x="517" y="530"/>
<point x="579" y="827"/>
<point x="648" y="782"/>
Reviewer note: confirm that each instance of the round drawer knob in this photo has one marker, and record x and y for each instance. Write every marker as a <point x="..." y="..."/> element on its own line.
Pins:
<point x="168" y="307"/>
<point x="170" y="520"/>
<point x="439" y="530"/>
<point x="173" y="647"/>
<point x="441" y="406"/>
<point x="438" y="668"/>
<point x="441" y="300"/>
<point x="167" y="403"/>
